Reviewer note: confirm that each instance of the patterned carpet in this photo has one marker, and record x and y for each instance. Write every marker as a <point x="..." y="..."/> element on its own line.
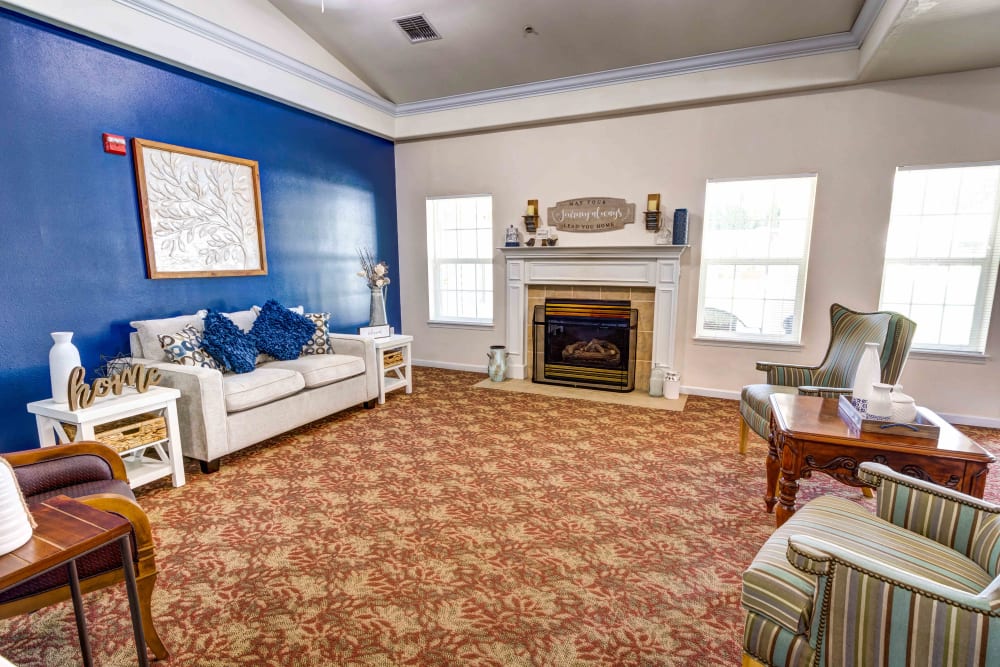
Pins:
<point x="454" y="526"/>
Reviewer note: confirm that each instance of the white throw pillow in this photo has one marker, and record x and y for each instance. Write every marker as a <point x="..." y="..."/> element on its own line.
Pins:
<point x="149" y="332"/>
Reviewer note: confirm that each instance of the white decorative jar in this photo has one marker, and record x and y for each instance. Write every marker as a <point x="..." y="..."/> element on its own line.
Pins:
<point x="904" y="408"/>
<point x="63" y="358"/>
<point x="880" y="402"/>
<point x="868" y="373"/>
<point x="15" y="522"/>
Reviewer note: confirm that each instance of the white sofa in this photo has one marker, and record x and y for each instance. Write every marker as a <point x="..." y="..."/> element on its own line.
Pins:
<point x="220" y="413"/>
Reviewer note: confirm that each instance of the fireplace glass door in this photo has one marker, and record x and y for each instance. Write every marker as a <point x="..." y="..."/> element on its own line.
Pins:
<point x="585" y="343"/>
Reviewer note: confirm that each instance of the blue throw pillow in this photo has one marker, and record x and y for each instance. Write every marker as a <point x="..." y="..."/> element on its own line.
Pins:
<point x="280" y="332"/>
<point x="228" y="344"/>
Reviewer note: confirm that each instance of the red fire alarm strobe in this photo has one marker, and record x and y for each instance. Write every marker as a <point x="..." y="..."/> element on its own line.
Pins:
<point x="114" y="143"/>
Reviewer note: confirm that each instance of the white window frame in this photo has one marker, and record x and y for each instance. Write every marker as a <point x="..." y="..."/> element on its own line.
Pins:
<point x="987" y="276"/>
<point x="791" y="338"/>
<point x="434" y="264"/>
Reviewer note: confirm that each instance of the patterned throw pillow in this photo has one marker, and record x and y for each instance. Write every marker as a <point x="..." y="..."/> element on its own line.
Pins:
<point x="320" y="341"/>
<point x="231" y="346"/>
<point x="280" y="332"/>
<point x="184" y="348"/>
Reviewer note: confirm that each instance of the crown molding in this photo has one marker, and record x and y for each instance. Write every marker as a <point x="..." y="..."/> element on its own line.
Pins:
<point x="866" y="19"/>
<point x="196" y="25"/>
<point x="203" y="28"/>
<point x="843" y="41"/>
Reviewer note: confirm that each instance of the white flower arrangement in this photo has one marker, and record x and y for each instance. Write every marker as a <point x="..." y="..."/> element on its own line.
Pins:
<point x="375" y="273"/>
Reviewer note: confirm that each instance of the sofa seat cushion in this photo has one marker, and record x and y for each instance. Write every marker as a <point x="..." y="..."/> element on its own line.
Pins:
<point x="322" y="369"/>
<point x="261" y="385"/>
<point x="774" y="588"/>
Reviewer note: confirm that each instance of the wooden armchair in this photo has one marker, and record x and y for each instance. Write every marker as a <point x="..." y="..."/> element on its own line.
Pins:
<point x="849" y="331"/>
<point x="93" y="474"/>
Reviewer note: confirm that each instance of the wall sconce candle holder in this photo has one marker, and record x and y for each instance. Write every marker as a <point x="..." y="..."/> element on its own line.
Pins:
<point x="531" y="217"/>
<point x="653" y="214"/>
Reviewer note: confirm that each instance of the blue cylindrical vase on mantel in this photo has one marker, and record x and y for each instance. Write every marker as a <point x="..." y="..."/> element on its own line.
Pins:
<point x="680" y="226"/>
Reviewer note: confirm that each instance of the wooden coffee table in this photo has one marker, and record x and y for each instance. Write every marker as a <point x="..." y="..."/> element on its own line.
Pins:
<point x="807" y="434"/>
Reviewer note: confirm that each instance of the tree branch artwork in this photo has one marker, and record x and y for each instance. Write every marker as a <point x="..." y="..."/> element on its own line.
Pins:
<point x="201" y="212"/>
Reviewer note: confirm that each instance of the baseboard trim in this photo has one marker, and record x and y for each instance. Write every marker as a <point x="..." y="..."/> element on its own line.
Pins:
<point x="447" y="365"/>
<point x="970" y="420"/>
<point x="711" y="393"/>
<point x="965" y="420"/>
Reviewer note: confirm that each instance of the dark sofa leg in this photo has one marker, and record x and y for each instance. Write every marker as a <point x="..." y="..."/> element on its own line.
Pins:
<point x="369" y="404"/>
<point x="209" y="467"/>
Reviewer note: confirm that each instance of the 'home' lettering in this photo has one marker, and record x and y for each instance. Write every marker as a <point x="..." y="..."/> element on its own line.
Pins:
<point x="82" y="395"/>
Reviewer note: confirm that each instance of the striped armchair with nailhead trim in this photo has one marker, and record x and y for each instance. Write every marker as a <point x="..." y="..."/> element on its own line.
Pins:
<point x="918" y="584"/>
<point x="849" y="331"/>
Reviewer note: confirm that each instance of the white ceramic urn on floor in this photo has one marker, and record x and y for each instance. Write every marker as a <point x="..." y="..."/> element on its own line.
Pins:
<point x="63" y="358"/>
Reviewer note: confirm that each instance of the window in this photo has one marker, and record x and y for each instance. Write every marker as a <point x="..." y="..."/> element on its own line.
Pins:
<point x="940" y="254"/>
<point x="754" y="255"/>
<point x="460" y="258"/>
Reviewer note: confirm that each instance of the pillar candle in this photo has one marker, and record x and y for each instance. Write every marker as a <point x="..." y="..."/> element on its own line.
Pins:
<point x="531" y="209"/>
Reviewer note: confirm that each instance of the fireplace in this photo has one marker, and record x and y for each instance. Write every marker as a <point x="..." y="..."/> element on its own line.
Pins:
<point x="585" y="343"/>
<point x="647" y="275"/>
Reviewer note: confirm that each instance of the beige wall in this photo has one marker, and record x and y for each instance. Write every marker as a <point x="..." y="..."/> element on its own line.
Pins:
<point x="853" y="138"/>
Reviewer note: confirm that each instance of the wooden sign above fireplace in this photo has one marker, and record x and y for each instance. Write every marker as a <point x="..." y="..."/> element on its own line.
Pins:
<point x="591" y="214"/>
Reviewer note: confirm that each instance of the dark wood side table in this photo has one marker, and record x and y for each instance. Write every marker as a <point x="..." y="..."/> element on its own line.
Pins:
<point x="807" y="434"/>
<point x="67" y="530"/>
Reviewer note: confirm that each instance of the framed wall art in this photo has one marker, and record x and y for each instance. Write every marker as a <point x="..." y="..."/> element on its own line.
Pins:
<point x="201" y="212"/>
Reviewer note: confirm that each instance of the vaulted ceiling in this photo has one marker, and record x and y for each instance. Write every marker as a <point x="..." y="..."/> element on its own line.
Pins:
<point x="501" y="63"/>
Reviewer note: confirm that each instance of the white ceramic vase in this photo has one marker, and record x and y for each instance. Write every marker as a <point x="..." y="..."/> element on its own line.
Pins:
<point x="868" y="373"/>
<point x="880" y="402"/>
<point x="15" y="522"/>
<point x="63" y="358"/>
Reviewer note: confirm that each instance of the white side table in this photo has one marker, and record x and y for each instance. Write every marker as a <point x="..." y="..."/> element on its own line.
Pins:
<point x="51" y="416"/>
<point x="395" y="375"/>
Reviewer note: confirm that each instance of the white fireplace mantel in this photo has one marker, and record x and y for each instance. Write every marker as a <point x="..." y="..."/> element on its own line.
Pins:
<point x="656" y="266"/>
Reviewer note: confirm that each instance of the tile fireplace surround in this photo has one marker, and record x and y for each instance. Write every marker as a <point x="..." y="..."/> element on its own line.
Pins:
<point x="656" y="267"/>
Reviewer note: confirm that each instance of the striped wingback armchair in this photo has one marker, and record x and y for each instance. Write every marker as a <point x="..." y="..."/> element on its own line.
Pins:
<point x="849" y="331"/>
<point x="918" y="584"/>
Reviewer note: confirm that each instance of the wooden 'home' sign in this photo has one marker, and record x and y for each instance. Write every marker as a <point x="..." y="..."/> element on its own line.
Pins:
<point x="591" y="214"/>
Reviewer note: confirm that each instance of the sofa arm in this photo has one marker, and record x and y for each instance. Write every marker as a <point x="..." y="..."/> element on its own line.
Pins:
<point x="359" y="346"/>
<point x="201" y="408"/>
<point x="938" y="513"/>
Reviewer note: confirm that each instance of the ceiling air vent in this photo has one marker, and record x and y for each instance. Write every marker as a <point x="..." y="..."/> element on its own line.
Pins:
<point x="417" y="28"/>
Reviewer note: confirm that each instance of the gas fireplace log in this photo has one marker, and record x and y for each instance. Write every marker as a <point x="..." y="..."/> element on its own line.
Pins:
<point x="592" y="350"/>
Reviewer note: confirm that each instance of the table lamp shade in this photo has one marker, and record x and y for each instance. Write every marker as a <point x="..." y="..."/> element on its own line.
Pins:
<point x="16" y="524"/>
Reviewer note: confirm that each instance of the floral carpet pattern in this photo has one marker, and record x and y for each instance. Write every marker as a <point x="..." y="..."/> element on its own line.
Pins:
<point x="454" y="526"/>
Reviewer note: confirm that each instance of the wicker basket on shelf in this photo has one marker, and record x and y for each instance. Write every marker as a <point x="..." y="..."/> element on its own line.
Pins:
<point x="129" y="433"/>
<point x="392" y="358"/>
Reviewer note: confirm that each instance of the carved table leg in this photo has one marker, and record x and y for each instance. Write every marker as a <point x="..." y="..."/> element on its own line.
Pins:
<point x="789" y="486"/>
<point x="773" y="465"/>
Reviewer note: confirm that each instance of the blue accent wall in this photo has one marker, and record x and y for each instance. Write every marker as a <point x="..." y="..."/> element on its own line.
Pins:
<point x="71" y="250"/>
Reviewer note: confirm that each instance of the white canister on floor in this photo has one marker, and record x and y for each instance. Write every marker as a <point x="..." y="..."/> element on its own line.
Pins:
<point x="672" y="385"/>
